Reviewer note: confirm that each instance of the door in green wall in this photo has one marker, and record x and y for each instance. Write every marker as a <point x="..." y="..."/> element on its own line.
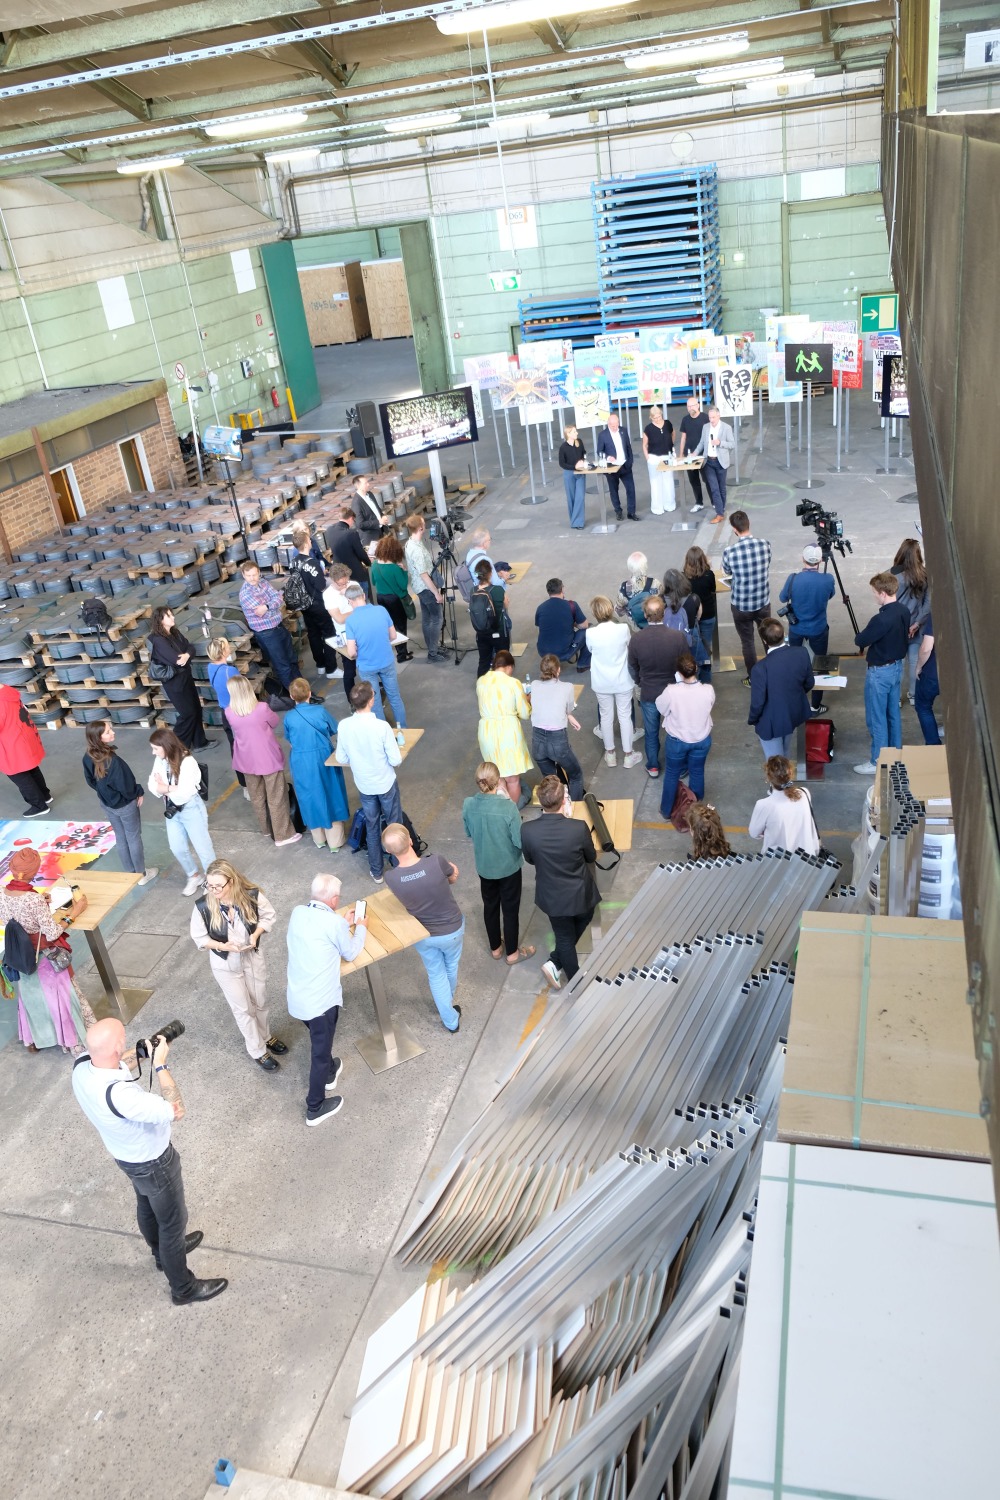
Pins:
<point x="429" y="343"/>
<point x="282" y="278"/>
<point x="835" y="250"/>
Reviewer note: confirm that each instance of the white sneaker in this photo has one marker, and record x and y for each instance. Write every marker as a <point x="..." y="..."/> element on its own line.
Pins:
<point x="320" y="671"/>
<point x="610" y="758"/>
<point x="553" y="975"/>
<point x="149" y="875"/>
<point x="280" y="843"/>
<point x="597" y="731"/>
<point x="246" y="795"/>
<point x="632" y="759"/>
<point x="194" y="885"/>
<point x="697" y="507"/>
<point x="868" y="769"/>
<point x="334" y="675"/>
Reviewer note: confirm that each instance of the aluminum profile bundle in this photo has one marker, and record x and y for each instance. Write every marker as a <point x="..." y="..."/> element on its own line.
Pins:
<point x="623" y="1062"/>
<point x="902" y="821"/>
<point x="464" y="1387"/>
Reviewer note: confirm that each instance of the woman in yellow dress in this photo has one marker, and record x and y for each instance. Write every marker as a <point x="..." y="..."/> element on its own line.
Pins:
<point x="502" y="706"/>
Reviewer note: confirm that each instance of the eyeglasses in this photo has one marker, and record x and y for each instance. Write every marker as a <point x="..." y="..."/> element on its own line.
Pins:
<point x="215" y="885"/>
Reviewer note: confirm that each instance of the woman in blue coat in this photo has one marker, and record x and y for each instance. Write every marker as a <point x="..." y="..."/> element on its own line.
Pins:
<point x="319" y="788"/>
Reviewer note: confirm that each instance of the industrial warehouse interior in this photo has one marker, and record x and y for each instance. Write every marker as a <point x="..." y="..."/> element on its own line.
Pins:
<point x="489" y="849"/>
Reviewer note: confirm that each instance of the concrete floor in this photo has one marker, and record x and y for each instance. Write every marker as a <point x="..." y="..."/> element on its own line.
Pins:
<point x="108" y="1391"/>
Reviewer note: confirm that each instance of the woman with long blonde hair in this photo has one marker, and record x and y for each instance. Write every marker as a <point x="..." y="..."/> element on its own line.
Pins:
<point x="227" y="923"/>
<point x="257" y="754"/>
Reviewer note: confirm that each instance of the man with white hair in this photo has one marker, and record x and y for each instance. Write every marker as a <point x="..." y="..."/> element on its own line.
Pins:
<point x="318" y="939"/>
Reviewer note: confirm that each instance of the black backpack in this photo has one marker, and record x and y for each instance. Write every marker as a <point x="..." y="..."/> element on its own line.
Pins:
<point x="20" y="954"/>
<point x="297" y="595"/>
<point x="482" y="611"/>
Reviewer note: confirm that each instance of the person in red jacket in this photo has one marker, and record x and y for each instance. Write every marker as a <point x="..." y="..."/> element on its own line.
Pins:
<point x="21" y="753"/>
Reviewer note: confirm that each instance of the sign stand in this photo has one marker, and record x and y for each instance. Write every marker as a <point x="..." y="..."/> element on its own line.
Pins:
<point x="809" y="483"/>
<point x="788" y="436"/>
<point x="510" y="440"/>
<point x="760" y="444"/>
<point x="799" y="428"/>
<point x="541" y="457"/>
<point x="437" y="482"/>
<point x="847" y="421"/>
<point x="496" y="438"/>
<point x="533" y="499"/>
<point x="886" y="468"/>
<point x="736" y="445"/>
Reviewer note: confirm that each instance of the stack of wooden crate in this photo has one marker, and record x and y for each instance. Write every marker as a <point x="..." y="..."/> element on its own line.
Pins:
<point x="334" y="299"/>
<point x="385" y="294"/>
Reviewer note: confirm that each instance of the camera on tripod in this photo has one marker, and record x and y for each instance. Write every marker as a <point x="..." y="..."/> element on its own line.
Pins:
<point x="146" y="1046"/>
<point x="443" y="528"/>
<point x="828" y="526"/>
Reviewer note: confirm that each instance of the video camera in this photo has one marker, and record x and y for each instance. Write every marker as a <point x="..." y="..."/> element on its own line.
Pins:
<point x="443" y="528"/>
<point x="828" y="526"/>
<point x="146" y="1046"/>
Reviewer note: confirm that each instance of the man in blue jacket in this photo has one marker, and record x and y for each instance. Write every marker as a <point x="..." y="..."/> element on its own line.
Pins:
<point x="616" y="446"/>
<point x="778" y="687"/>
<point x="807" y="594"/>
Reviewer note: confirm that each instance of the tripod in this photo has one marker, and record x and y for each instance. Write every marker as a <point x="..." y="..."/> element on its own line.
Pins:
<point x="828" y="561"/>
<point x="446" y="565"/>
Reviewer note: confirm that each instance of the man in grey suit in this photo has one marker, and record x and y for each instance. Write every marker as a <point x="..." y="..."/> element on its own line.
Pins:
<point x="717" y="445"/>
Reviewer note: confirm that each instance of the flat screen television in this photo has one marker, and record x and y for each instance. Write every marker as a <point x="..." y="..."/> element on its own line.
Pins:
<point x="421" y="424"/>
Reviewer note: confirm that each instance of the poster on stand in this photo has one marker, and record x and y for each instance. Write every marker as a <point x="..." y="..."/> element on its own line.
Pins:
<point x="561" y="384"/>
<point x="486" y="370"/>
<point x="545" y="352"/>
<point x="812" y="362"/>
<point x="477" y="401"/>
<point x="591" y="402"/>
<point x="838" y="330"/>
<point x="778" y="388"/>
<point x="847" y="363"/>
<point x="744" y="345"/>
<point x="734" y="391"/>
<point x="882" y="343"/>
<point x="894" y="400"/>
<point x="537" y="414"/>
<point x="662" y="362"/>
<point x="523" y="388"/>
<point x="622" y="350"/>
<point x="778" y="330"/>
<point x="707" y="351"/>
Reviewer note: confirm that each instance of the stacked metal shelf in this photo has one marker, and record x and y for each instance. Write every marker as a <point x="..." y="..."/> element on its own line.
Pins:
<point x="657" y="237"/>
<point x="576" y="318"/>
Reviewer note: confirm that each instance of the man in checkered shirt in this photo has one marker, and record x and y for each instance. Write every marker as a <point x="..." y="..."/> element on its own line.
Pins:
<point x="747" y="564"/>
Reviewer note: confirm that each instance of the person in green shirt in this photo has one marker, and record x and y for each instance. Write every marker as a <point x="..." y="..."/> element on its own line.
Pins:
<point x="390" y="583"/>
<point x="493" y="824"/>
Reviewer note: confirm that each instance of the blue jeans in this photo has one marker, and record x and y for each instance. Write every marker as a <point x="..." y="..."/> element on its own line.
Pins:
<point x="379" y="808"/>
<point x="385" y="678"/>
<point x="162" y="1214"/>
<point x="189" y="838"/>
<point x="926" y="691"/>
<point x="819" y="645"/>
<point x="281" y="652"/>
<point x="575" y="486"/>
<point x="780" y="745"/>
<point x="707" y="629"/>
<point x="551" y="749"/>
<point x="440" y="957"/>
<point x="715" y="477"/>
<point x="882" y="714"/>
<point x="681" y="756"/>
<point x="651" y="722"/>
<point x="430" y="621"/>
<point x="127" y="823"/>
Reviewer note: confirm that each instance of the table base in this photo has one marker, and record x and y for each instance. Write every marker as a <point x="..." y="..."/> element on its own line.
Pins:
<point x="379" y="1058"/>
<point x="603" y="529"/>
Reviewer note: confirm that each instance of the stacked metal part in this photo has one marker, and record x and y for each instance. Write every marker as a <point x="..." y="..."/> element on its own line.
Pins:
<point x="901" y="824"/>
<point x="471" y="1396"/>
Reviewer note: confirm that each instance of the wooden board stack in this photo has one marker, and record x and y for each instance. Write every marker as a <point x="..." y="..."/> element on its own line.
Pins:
<point x="388" y="303"/>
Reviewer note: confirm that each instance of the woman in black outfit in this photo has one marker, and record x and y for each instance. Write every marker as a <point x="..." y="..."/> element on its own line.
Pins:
<point x="496" y="636"/>
<point x="315" y="617"/>
<point x="119" y="794"/>
<point x="698" y="572"/>
<point x="571" y="455"/>
<point x="172" y="652"/>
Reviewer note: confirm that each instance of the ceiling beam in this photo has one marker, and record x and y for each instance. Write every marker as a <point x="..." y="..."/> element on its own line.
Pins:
<point x="45" y="48"/>
<point x="320" y="60"/>
<point x="552" y="34"/>
<point x="119" y="93"/>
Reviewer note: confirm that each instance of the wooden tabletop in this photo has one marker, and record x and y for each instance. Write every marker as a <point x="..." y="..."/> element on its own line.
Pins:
<point x="410" y="736"/>
<point x="103" y="890"/>
<point x="390" y="930"/>
<point x="618" y="815"/>
<point x="577" y="687"/>
<point x="682" y="465"/>
<point x="517" y="571"/>
<point x="603" y="469"/>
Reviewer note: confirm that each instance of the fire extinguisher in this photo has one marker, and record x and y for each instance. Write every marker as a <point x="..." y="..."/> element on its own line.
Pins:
<point x="274" y="397"/>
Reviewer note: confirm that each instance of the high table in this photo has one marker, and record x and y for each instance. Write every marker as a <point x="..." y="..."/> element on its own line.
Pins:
<point x="604" y="526"/>
<point x="104" y="889"/>
<point x="390" y="929"/>
<point x="410" y="738"/>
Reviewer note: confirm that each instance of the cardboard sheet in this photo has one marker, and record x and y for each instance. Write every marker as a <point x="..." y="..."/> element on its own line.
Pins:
<point x="880" y="1049"/>
<point x="927" y="769"/>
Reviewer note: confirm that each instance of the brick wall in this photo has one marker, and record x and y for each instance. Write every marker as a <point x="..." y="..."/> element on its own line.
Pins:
<point x="26" y="511"/>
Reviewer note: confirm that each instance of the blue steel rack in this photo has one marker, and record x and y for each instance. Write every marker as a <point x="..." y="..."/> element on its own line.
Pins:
<point x="657" y="237"/>
<point x="576" y="318"/>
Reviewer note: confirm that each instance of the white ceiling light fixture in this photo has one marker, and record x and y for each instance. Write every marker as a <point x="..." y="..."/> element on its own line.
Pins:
<point x="767" y="67"/>
<point x="139" y="168"/>
<point x="518" y="122"/>
<point x="293" y="154"/>
<point x="518" y="13"/>
<point x="235" y="130"/>
<point x="417" y="124"/>
<point x="690" y="54"/>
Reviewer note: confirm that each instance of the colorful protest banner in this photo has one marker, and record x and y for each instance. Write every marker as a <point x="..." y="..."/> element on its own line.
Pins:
<point x="591" y="402"/>
<point x="734" y="391"/>
<point x="778" y="388"/>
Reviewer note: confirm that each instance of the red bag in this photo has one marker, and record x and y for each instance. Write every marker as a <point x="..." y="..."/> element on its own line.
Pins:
<point x="820" y="735"/>
<point x="685" y="798"/>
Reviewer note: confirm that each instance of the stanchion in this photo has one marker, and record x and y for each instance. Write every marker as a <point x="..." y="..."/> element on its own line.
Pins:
<point x="541" y="456"/>
<point x="799" y="429"/>
<point x="788" y="436"/>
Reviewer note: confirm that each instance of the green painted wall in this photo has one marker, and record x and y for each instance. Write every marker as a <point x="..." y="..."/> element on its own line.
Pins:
<point x="201" y="321"/>
<point x="351" y="244"/>
<point x="429" y="339"/>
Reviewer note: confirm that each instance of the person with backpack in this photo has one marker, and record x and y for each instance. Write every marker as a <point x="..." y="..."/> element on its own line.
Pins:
<point x="682" y="610"/>
<point x="50" y="1010"/>
<point x="120" y="796"/>
<point x="176" y="780"/>
<point x="635" y="590"/>
<point x="701" y="576"/>
<point x="607" y="642"/>
<point x="308" y="565"/>
<point x="319" y="787"/>
<point x="22" y="753"/>
<point x="228" y="922"/>
<point x="488" y="613"/>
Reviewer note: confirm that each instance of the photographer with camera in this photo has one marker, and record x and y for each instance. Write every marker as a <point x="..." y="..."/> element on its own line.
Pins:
<point x="135" y="1128"/>
<point x="805" y="596"/>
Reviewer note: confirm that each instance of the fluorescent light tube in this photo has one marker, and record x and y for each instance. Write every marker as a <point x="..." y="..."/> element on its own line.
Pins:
<point x="417" y="124"/>
<point x="688" y="55"/>
<point x="518" y="122"/>
<point x="767" y="67"/>
<point x="234" y="130"/>
<point x="518" y="13"/>
<point x="137" y="168"/>
<point x="294" y="153"/>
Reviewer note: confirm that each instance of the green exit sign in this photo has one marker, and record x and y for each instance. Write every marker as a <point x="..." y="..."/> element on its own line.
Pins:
<point x="880" y="314"/>
<point x="505" y="281"/>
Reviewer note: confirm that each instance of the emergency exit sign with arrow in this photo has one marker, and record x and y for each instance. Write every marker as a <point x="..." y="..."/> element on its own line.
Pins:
<point x="505" y="281"/>
<point x="880" y="314"/>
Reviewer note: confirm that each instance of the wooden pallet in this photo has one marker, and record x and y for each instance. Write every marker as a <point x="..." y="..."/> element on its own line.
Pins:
<point x="142" y="700"/>
<point x="134" y="679"/>
<point x="128" y="653"/>
<point x="113" y="632"/>
<point x="25" y="659"/>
